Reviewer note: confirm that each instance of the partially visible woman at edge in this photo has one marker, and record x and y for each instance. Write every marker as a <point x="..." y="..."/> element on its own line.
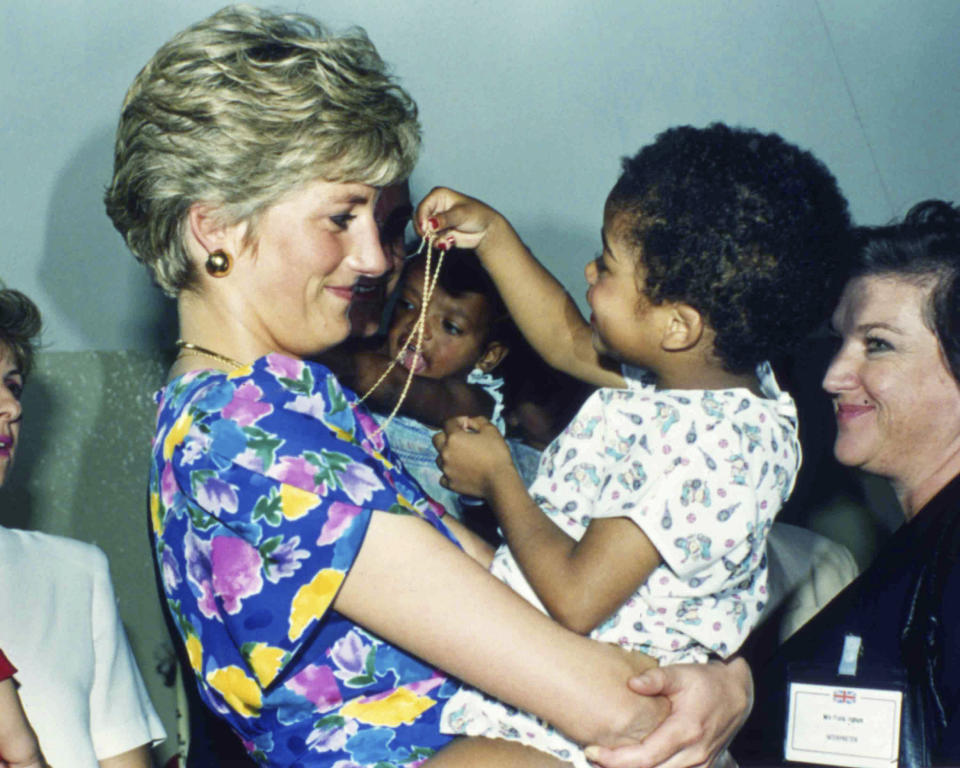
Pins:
<point x="316" y="589"/>
<point x="895" y="384"/>
<point x="79" y="682"/>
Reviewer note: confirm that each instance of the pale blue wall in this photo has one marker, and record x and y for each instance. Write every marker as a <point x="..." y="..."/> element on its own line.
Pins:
<point x="527" y="104"/>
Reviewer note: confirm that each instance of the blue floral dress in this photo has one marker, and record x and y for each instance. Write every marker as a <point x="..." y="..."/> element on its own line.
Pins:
<point x="262" y="484"/>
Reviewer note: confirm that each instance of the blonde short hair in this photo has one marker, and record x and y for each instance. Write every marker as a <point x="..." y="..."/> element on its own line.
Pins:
<point x="241" y="108"/>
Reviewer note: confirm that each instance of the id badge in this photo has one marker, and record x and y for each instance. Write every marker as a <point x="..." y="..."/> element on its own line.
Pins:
<point x="844" y="720"/>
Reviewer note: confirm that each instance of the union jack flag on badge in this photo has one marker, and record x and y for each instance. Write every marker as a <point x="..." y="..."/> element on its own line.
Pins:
<point x="842" y="696"/>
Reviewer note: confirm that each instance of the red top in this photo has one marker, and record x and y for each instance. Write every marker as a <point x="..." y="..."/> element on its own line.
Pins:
<point x="6" y="668"/>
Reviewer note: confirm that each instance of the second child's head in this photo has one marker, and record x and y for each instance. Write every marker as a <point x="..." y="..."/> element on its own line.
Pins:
<point x="467" y="325"/>
<point x="719" y="236"/>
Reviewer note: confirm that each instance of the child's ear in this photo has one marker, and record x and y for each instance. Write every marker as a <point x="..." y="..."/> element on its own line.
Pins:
<point x="684" y="328"/>
<point x="492" y="356"/>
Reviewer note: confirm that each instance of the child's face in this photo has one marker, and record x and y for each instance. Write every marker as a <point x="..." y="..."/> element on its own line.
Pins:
<point x="626" y="324"/>
<point x="455" y="334"/>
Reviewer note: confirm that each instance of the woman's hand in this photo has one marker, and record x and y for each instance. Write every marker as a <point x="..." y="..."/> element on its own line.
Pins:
<point x="471" y="453"/>
<point x="709" y="703"/>
<point x="457" y="220"/>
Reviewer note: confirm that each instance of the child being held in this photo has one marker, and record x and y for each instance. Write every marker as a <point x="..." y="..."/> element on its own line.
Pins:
<point x="647" y="522"/>
<point x="466" y="335"/>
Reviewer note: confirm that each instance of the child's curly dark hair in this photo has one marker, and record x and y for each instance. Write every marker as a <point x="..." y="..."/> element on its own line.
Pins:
<point x="19" y="326"/>
<point x="751" y="231"/>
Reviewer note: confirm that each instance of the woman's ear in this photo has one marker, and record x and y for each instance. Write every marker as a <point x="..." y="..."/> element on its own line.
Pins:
<point x="207" y="228"/>
<point x="492" y="356"/>
<point x="684" y="328"/>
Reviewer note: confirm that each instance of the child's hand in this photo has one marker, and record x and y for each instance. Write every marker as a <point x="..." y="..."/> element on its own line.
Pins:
<point x="456" y="219"/>
<point x="471" y="454"/>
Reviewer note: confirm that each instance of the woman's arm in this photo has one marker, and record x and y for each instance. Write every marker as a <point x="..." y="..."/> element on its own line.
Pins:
<point x="538" y="303"/>
<point x="476" y="628"/>
<point x="139" y="757"/>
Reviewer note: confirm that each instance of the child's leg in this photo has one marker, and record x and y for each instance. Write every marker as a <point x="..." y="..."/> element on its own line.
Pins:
<point x="475" y="752"/>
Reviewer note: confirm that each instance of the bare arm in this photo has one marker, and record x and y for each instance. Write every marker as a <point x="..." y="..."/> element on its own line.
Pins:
<point x="138" y="757"/>
<point x="473" y="619"/>
<point x="18" y="743"/>
<point x="538" y="303"/>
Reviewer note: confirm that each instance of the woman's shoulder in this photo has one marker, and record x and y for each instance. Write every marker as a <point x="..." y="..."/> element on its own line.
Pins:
<point x="44" y="549"/>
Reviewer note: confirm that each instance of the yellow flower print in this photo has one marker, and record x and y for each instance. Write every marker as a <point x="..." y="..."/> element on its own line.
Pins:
<point x="239" y="691"/>
<point x="240" y="372"/>
<point x="312" y="600"/>
<point x="155" y="514"/>
<point x="194" y="652"/>
<point x="401" y="706"/>
<point x="176" y="434"/>
<point x="296" y="502"/>
<point x="265" y="662"/>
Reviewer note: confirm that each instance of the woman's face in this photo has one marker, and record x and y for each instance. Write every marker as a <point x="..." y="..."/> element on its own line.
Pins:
<point x="10" y="411"/>
<point x="897" y="405"/>
<point x="297" y="281"/>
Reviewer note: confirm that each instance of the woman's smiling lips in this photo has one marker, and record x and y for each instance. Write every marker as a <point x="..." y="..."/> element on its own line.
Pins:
<point x="847" y="412"/>
<point x="345" y="292"/>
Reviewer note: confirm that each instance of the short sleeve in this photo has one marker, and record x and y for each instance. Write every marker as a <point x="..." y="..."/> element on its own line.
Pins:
<point x="121" y="714"/>
<point x="267" y="488"/>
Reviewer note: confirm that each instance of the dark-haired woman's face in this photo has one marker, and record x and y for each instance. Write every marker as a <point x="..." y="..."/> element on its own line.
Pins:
<point x="896" y="403"/>
<point x="11" y="389"/>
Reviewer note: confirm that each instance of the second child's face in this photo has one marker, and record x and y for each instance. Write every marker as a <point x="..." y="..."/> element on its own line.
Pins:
<point x="455" y="334"/>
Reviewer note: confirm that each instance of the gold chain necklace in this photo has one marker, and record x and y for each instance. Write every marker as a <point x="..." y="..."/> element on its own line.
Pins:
<point x="195" y="349"/>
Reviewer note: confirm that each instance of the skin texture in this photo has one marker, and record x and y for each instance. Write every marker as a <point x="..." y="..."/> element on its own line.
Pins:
<point x="18" y="743"/>
<point x="11" y="388"/>
<point x="885" y="375"/>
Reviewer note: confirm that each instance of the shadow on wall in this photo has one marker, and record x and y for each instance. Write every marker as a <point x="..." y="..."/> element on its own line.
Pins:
<point x="82" y="472"/>
<point x="86" y="268"/>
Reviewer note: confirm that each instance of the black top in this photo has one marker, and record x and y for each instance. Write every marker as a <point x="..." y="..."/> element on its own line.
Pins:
<point x="906" y="608"/>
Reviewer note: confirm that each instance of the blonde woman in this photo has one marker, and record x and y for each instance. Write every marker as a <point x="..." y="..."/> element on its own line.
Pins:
<point x="317" y="590"/>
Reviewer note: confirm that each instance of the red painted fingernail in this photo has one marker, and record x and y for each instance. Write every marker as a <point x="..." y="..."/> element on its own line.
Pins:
<point x="451" y="242"/>
<point x="433" y="222"/>
<point x="441" y="246"/>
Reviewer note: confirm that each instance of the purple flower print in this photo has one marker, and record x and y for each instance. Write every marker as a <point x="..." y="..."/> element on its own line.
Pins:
<point x="168" y="485"/>
<point x="246" y="408"/>
<point x="360" y="482"/>
<point x="373" y="436"/>
<point x="200" y="572"/>
<point x="170" y="570"/>
<point x="215" y="496"/>
<point x="350" y="655"/>
<point x="317" y="684"/>
<point x="339" y="518"/>
<point x="284" y="560"/>
<point x="282" y="366"/>
<point x="236" y="571"/>
<point x="295" y="470"/>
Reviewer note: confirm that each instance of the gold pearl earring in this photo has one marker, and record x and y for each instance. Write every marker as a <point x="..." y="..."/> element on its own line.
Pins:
<point x="219" y="264"/>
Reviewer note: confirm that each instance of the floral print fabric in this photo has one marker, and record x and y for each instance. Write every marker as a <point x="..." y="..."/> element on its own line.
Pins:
<point x="262" y="484"/>
<point x="702" y="473"/>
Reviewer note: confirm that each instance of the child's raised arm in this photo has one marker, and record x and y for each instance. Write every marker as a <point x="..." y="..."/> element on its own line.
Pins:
<point x="539" y="304"/>
<point x="18" y="743"/>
